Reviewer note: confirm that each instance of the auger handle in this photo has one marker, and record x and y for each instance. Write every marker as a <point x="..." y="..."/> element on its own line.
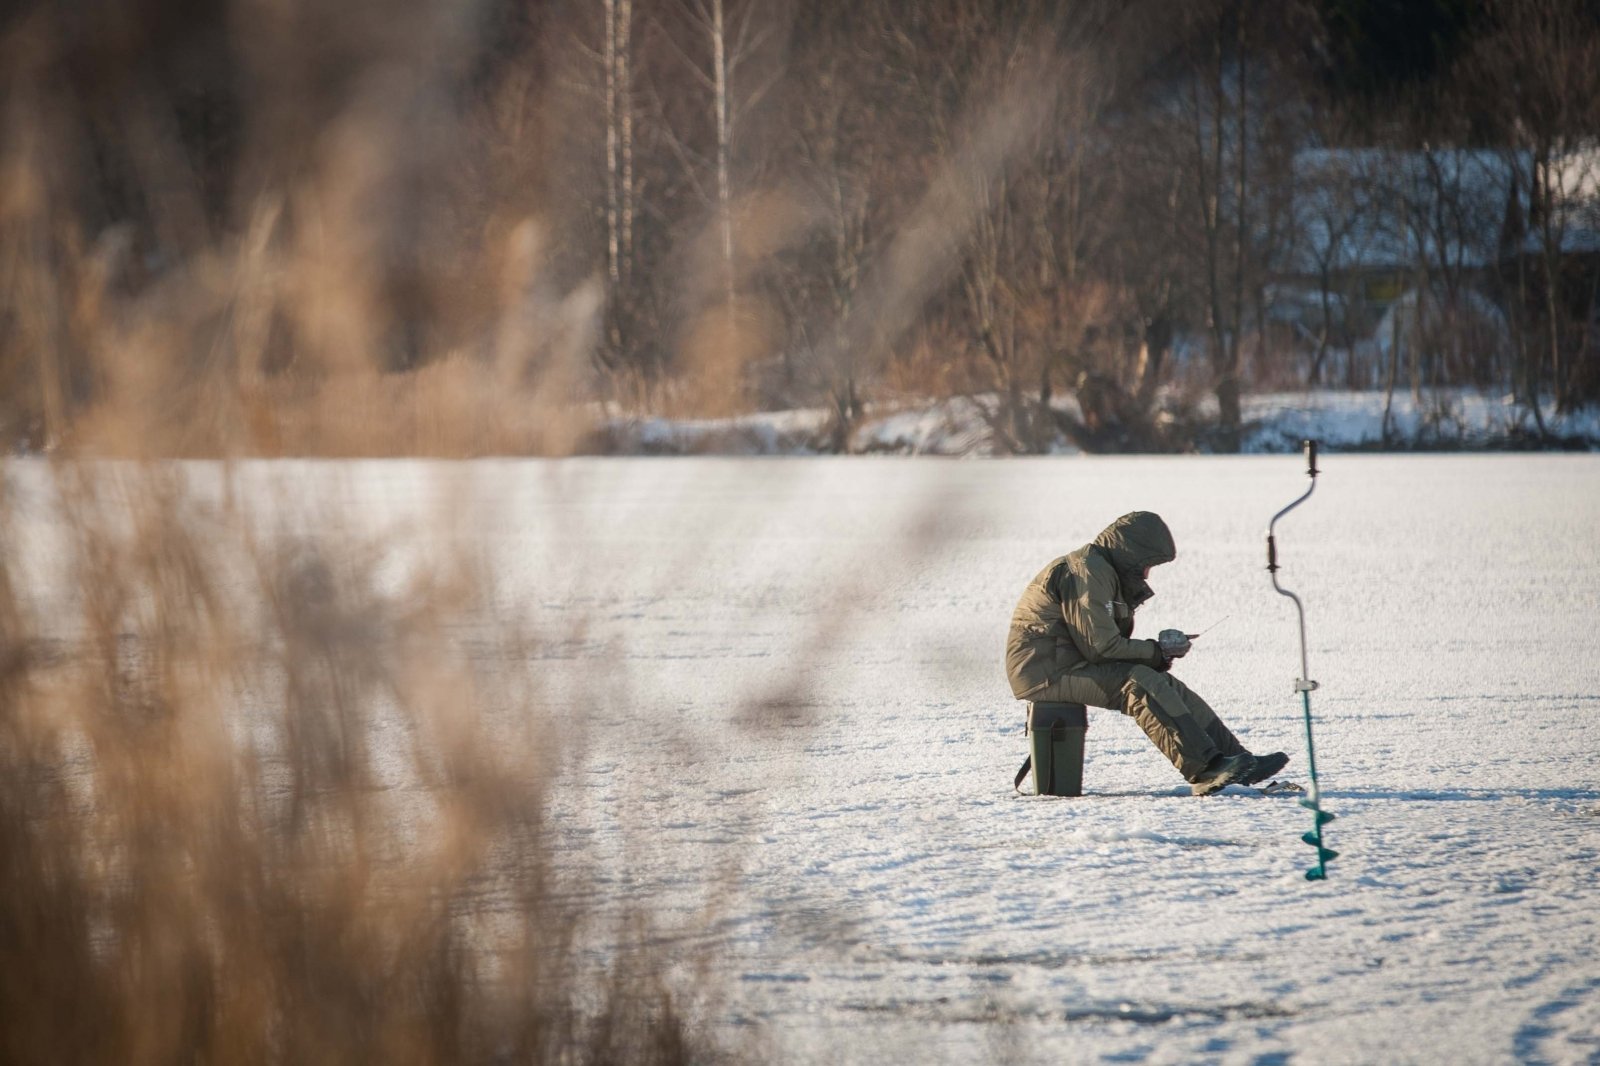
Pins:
<point x="1311" y="470"/>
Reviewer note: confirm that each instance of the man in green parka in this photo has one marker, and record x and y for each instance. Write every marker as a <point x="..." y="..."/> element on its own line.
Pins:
<point x="1071" y="641"/>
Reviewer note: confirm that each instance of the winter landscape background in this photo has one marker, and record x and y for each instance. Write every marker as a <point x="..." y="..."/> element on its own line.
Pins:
<point x="509" y="511"/>
<point x="531" y="227"/>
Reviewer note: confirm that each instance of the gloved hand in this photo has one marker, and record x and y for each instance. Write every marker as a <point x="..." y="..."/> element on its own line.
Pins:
<point x="1174" y="643"/>
<point x="1159" y="660"/>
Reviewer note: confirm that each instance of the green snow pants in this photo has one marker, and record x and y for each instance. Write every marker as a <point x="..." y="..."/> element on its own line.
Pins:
<point x="1177" y="721"/>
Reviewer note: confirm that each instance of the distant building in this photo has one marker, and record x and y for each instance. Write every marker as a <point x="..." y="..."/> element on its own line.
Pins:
<point x="1427" y="247"/>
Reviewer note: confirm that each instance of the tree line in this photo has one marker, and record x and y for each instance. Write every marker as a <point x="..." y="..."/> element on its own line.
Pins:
<point x="703" y="207"/>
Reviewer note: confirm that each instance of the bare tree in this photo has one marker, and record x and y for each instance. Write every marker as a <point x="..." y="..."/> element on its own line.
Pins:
<point x="839" y="153"/>
<point x="730" y="58"/>
<point x="1540" y="71"/>
<point x="620" y="191"/>
<point x="1334" y="219"/>
<point x="723" y="62"/>
<point x="1215" y="103"/>
<point x="1236" y="119"/>
<point x="1146" y="254"/>
<point x="1016" y="296"/>
<point x="596" y="160"/>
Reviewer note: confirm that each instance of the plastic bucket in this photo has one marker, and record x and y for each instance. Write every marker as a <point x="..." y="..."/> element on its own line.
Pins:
<point x="1056" y="732"/>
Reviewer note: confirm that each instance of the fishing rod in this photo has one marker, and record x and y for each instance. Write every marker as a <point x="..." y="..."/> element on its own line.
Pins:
<point x="1303" y="684"/>
<point x="1209" y="628"/>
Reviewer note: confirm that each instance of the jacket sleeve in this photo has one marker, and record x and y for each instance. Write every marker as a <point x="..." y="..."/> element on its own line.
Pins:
<point x="1090" y="614"/>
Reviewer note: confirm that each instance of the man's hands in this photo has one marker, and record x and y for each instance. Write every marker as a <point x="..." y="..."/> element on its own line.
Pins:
<point x="1171" y="645"/>
<point x="1174" y="643"/>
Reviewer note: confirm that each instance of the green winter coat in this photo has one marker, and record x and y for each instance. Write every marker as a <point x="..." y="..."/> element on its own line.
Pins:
<point x="1079" y="609"/>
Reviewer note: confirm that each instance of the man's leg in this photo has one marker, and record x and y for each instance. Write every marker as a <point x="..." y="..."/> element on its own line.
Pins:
<point x="1097" y="686"/>
<point x="1181" y="725"/>
<point x="1178" y="722"/>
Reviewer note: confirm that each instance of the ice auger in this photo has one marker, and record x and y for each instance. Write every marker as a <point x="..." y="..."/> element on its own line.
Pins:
<point x="1303" y="684"/>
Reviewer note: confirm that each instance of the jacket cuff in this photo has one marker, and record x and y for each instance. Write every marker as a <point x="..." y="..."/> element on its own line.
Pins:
<point x="1157" y="657"/>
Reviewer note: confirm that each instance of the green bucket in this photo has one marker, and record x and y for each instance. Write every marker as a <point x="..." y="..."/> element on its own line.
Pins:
<point x="1056" y="731"/>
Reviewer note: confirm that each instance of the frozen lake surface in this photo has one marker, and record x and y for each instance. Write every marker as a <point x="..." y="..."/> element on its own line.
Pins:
<point x="798" y="745"/>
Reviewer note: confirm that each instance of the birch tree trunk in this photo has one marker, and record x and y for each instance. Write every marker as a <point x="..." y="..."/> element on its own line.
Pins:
<point x="620" y="195"/>
<point x="719" y="74"/>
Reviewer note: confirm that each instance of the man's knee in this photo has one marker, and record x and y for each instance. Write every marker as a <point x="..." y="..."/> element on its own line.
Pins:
<point x="1147" y="684"/>
<point x="1147" y="679"/>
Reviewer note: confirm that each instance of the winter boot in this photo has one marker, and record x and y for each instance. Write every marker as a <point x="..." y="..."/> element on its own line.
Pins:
<point x="1223" y="771"/>
<point x="1265" y="767"/>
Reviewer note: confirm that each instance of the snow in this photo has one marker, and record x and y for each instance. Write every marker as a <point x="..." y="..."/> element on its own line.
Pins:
<point x="797" y="744"/>
<point x="946" y="427"/>
<point x="1274" y="422"/>
<point x="1451" y="418"/>
<point x="899" y="902"/>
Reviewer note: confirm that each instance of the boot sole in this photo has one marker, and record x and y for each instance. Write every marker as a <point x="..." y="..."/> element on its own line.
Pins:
<point x="1214" y="786"/>
<point x="1222" y="780"/>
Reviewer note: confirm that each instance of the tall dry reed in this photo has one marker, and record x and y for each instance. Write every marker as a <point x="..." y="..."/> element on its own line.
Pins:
<point x="257" y="806"/>
<point x="262" y="228"/>
<point x="256" y="803"/>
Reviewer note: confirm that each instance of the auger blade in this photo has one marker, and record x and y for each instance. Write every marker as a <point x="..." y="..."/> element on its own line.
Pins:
<point x="1316" y="873"/>
<point x="1323" y="817"/>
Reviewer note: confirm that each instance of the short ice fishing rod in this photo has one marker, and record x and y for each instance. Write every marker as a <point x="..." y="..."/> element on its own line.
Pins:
<point x="1303" y="684"/>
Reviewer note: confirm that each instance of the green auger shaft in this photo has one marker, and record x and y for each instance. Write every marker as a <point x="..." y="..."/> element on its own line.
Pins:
<point x="1303" y="684"/>
<point x="1313" y="802"/>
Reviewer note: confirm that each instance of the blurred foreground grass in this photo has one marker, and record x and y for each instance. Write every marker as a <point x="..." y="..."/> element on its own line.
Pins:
<point x="254" y="805"/>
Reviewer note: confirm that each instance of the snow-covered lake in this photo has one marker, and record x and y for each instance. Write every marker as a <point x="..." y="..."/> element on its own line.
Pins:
<point x="799" y="743"/>
<point x="899" y="903"/>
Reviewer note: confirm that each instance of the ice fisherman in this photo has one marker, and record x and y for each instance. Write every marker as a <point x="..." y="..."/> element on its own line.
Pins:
<point x="1071" y="641"/>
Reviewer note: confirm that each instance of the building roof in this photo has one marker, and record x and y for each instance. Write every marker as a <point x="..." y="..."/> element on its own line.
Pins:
<point x="1372" y="209"/>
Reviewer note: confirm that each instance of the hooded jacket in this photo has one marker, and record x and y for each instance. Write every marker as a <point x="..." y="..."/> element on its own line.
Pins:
<point x="1078" y="610"/>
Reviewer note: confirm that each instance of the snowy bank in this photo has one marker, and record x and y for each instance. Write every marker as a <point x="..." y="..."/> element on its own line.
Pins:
<point x="1273" y="422"/>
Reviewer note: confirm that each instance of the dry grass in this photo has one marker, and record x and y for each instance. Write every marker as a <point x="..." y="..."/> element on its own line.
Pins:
<point x="255" y="804"/>
<point x="255" y="808"/>
<point x="350" y="258"/>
